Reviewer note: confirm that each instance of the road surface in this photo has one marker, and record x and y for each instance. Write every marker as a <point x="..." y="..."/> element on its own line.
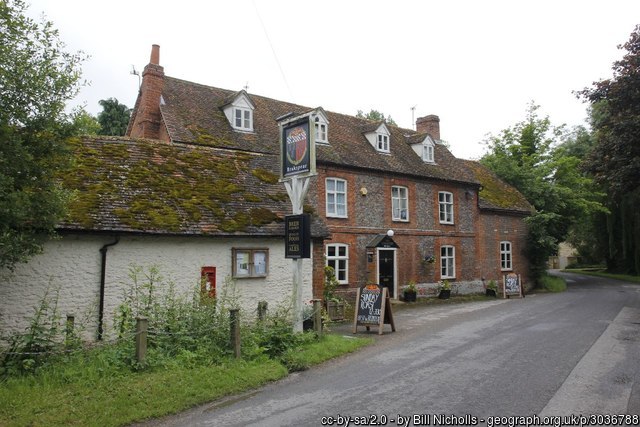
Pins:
<point x="545" y="355"/>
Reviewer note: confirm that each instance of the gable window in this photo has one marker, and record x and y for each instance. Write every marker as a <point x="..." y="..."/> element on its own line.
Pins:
<point x="445" y="202"/>
<point x="321" y="132"/>
<point x="383" y="143"/>
<point x="428" y="152"/>
<point x="447" y="262"/>
<point x="242" y="119"/>
<point x="505" y="256"/>
<point x="336" y="189"/>
<point x="250" y="262"/>
<point x="399" y="203"/>
<point x="338" y="258"/>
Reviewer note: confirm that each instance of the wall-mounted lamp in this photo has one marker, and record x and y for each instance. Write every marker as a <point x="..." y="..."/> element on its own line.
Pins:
<point x="390" y="233"/>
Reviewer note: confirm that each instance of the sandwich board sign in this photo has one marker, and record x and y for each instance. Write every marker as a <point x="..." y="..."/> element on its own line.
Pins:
<point x="373" y="307"/>
<point x="512" y="285"/>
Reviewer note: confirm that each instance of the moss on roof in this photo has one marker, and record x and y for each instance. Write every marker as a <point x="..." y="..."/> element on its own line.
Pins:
<point x="495" y="193"/>
<point x="150" y="186"/>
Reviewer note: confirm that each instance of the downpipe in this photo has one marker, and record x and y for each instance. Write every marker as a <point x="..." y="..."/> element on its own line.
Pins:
<point x="103" y="272"/>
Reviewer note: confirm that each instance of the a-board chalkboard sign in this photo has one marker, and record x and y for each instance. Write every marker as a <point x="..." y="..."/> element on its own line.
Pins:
<point x="512" y="285"/>
<point x="373" y="307"/>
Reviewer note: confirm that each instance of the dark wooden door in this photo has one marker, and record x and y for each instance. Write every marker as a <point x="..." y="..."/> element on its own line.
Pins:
<point x="386" y="270"/>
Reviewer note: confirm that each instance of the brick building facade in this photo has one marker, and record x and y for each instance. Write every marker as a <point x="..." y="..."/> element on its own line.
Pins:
<point x="398" y="205"/>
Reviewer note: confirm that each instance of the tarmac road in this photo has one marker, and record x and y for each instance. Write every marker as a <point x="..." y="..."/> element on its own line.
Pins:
<point x="545" y="355"/>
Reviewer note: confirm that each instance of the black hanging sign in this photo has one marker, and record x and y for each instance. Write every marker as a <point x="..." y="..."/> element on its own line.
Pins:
<point x="373" y="308"/>
<point x="297" y="236"/>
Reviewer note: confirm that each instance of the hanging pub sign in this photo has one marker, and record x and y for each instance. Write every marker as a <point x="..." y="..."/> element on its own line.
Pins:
<point x="297" y="235"/>
<point x="297" y="147"/>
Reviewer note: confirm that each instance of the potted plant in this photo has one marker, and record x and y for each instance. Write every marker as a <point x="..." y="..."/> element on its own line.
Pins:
<point x="492" y="289"/>
<point x="335" y="305"/>
<point x="410" y="292"/>
<point x="444" y="288"/>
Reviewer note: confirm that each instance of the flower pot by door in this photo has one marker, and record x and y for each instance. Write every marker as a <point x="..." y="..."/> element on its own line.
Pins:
<point x="410" y="296"/>
<point x="444" y="294"/>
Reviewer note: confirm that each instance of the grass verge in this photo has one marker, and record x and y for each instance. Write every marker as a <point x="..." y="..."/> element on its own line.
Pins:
<point x="590" y="272"/>
<point x="92" y="395"/>
<point x="553" y="283"/>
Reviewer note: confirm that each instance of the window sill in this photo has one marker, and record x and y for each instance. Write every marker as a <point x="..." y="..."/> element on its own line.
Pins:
<point x="250" y="277"/>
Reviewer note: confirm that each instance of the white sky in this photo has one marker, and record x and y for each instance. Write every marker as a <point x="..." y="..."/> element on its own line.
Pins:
<point x="476" y="64"/>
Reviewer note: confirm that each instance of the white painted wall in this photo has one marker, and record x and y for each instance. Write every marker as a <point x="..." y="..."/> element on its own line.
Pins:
<point x="72" y="265"/>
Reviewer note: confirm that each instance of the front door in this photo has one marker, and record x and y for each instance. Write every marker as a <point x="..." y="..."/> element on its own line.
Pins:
<point x="386" y="270"/>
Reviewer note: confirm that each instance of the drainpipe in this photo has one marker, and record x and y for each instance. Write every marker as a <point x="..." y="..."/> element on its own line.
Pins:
<point x="103" y="271"/>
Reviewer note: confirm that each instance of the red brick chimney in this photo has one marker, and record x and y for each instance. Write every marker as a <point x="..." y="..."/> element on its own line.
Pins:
<point x="146" y="118"/>
<point x="429" y="124"/>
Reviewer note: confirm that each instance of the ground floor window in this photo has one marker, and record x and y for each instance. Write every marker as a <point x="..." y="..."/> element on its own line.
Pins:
<point x="250" y="262"/>
<point x="505" y="256"/>
<point x="447" y="262"/>
<point x="338" y="258"/>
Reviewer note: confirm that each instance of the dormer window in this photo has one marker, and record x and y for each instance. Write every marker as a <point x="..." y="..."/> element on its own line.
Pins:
<point x="321" y="132"/>
<point x="379" y="138"/>
<point x="428" y="150"/>
<point x="322" y="126"/>
<point x="383" y="143"/>
<point x="239" y="111"/>
<point x="243" y="119"/>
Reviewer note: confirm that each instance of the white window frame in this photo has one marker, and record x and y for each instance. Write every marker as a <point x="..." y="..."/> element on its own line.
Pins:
<point x="399" y="203"/>
<point x="332" y="198"/>
<point x="257" y="262"/>
<point x="445" y="207"/>
<point x="382" y="143"/>
<point x="322" y="132"/>
<point x="245" y="118"/>
<point x="506" y="256"/>
<point x="447" y="262"/>
<point x="428" y="153"/>
<point x="339" y="262"/>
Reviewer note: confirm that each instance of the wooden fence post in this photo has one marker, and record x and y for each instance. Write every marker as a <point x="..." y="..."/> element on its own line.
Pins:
<point x="262" y="310"/>
<point x="234" y="315"/>
<point x="317" y="316"/>
<point x="142" y="325"/>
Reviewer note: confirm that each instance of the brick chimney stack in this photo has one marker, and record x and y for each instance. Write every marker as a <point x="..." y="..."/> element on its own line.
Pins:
<point x="146" y="117"/>
<point x="429" y="124"/>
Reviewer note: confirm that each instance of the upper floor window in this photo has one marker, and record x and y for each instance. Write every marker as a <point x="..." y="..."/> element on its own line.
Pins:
<point x="428" y="152"/>
<point x="338" y="258"/>
<point x="399" y="203"/>
<point x="243" y="118"/>
<point x="239" y="111"/>
<point x="447" y="262"/>
<point x="250" y="262"/>
<point x="505" y="256"/>
<point x="445" y="202"/>
<point x="383" y="143"/>
<point x="321" y="132"/>
<point x="336" y="194"/>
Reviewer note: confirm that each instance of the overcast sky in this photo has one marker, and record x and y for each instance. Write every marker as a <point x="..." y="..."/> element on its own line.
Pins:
<point x="476" y="64"/>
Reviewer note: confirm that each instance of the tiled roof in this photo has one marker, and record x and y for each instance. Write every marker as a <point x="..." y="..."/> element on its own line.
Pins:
<point x="496" y="194"/>
<point x="150" y="186"/>
<point x="192" y="114"/>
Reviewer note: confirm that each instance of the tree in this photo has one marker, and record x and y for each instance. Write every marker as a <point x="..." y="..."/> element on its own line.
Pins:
<point x="114" y="117"/>
<point x="376" y="116"/>
<point x="84" y="123"/>
<point x="615" y="160"/>
<point x="542" y="161"/>
<point x="37" y="78"/>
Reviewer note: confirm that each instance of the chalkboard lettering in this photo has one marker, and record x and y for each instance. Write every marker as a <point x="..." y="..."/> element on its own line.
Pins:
<point x="373" y="308"/>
